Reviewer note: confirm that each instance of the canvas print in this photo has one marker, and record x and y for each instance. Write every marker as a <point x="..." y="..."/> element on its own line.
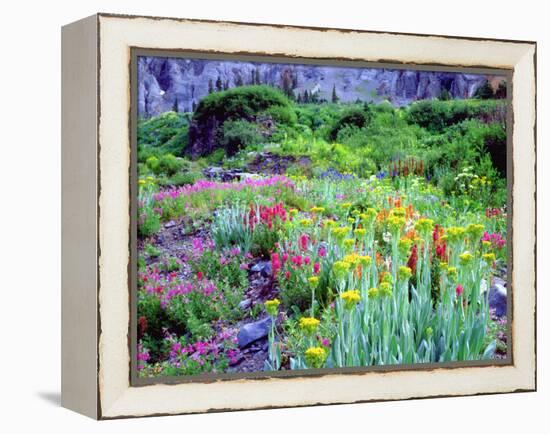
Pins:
<point x="295" y="217"/>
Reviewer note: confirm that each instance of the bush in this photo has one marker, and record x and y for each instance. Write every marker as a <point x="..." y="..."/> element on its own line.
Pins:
<point x="167" y="131"/>
<point x="436" y="115"/>
<point x="356" y="117"/>
<point x="243" y="102"/>
<point x="238" y="134"/>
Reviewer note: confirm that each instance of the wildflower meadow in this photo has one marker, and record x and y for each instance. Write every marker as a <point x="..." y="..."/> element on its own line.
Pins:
<point x="310" y="234"/>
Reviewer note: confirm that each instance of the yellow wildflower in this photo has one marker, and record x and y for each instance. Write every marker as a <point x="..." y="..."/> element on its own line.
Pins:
<point x="309" y="325"/>
<point x="360" y="233"/>
<point x="351" y="298"/>
<point x="455" y="234"/>
<point x="315" y="357"/>
<point x="313" y="281"/>
<point x="346" y="205"/>
<point x="365" y="260"/>
<point x="489" y="258"/>
<point x="404" y="272"/>
<point x="424" y="226"/>
<point x="386" y="289"/>
<point x="465" y="258"/>
<point x="373" y="292"/>
<point x="305" y="222"/>
<point x="475" y="231"/>
<point x="272" y="306"/>
<point x="340" y="268"/>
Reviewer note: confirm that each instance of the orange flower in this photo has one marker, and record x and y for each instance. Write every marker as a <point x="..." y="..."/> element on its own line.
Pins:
<point x="378" y="258"/>
<point x="409" y="211"/>
<point x="382" y="215"/>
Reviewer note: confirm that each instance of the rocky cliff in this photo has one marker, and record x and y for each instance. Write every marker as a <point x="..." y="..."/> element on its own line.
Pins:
<point x="167" y="83"/>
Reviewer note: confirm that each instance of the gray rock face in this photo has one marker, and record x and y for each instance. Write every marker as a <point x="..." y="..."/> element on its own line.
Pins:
<point x="165" y="84"/>
<point x="262" y="267"/>
<point x="498" y="299"/>
<point x="253" y="331"/>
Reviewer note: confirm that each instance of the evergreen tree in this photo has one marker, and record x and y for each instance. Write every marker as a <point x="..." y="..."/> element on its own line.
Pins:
<point x="194" y="106"/>
<point x="501" y="90"/>
<point x="485" y="91"/>
<point x="445" y="95"/>
<point x="219" y="85"/>
<point x="306" y="97"/>
<point x="334" y="96"/>
<point x="226" y="85"/>
<point x="239" y="81"/>
<point x="175" y="106"/>
<point x="257" y="77"/>
<point x="210" y="86"/>
<point x="286" y="84"/>
<point x="299" y="98"/>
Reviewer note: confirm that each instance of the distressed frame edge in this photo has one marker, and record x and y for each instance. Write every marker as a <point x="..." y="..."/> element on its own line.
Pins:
<point x="79" y="184"/>
<point x="530" y="387"/>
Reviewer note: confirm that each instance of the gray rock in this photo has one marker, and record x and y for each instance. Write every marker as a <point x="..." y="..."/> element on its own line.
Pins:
<point x="498" y="299"/>
<point x="262" y="267"/>
<point x="253" y="331"/>
<point x="167" y="82"/>
<point x="245" y="304"/>
<point x="170" y="224"/>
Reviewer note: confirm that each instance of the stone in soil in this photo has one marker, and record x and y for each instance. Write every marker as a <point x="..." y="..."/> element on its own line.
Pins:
<point x="253" y="331"/>
<point x="262" y="267"/>
<point x="498" y="299"/>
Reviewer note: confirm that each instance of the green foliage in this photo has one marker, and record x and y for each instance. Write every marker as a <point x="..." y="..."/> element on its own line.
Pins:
<point x="356" y="117"/>
<point x="437" y="115"/>
<point x="237" y="103"/>
<point x="238" y="134"/>
<point x="164" y="133"/>
<point x="485" y="91"/>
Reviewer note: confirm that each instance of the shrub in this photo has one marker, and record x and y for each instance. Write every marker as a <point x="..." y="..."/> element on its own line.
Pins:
<point x="238" y="134"/>
<point x="437" y="115"/>
<point x="356" y="117"/>
<point x="242" y="102"/>
<point x="167" y="132"/>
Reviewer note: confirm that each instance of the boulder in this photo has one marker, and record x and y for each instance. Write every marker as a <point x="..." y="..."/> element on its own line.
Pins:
<point x="253" y="331"/>
<point x="262" y="267"/>
<point x="498" y="299"/>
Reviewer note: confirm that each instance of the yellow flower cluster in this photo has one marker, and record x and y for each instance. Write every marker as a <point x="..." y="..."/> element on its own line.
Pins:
<point x="313" y="281"/>
<point x="365" y="260"/>
<point x="360" y="233"/>
<point x="309" y="325"/>
<point x="341" y="232"/>
<point x="340" y="268"/>
<point x="373" y="292"/>
<point x="465" y="258"/>
<point x="352" y="259"/>
<point x="272" y="306"/>
<point x="386" y="289"/>
<point x="452" y="272"/>
<point x="489" y="258"/>
<point x="455" y="234"/>
<point x="329" y="223"/>
<point x="317" y="210"/>
<point x="475" y="231"/>
<point x="315" y="357"/>
<point x="398" y="212"/>
<point x="404" y="246"/>
<point x="306" y="222"/>
<point x="351" y="298"/>
<point x="404" y="273"/>
<point x="395" y="224"/>
<point x="424" y="226"/>
<point x="368" y="217"/>
<point x="293" y="211"/>
<point x="346" y="205"/>
<point x="349" y="243"/>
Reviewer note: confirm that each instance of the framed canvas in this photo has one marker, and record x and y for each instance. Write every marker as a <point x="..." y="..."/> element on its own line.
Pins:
<point x="262" y="216"/>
